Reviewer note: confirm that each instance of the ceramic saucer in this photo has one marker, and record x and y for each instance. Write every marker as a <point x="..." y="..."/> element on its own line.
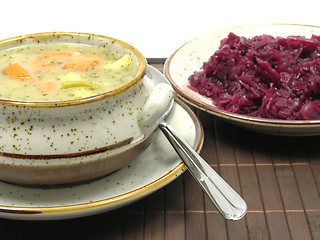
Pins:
<point x="153" y="169"/>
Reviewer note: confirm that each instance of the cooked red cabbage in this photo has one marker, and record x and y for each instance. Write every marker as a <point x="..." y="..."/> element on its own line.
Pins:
<point x="263" y="76"/>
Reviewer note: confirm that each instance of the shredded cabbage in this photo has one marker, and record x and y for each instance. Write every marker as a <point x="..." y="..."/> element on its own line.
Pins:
<point x="263" y="76"/>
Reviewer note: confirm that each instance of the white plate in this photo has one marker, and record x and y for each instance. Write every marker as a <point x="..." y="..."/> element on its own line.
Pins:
<point x="190" y="57"/>
<point x="152" y="170"/>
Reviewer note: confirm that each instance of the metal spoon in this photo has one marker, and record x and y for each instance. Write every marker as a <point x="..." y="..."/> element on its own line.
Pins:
<point x="160" y="101"/>
<point x="228" y="201"/>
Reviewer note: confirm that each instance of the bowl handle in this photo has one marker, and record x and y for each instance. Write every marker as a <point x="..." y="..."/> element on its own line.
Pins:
<point x="156" y="107"/>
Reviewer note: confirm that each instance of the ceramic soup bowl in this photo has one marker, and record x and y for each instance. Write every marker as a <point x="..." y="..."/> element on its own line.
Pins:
<point x="69" y="141"/>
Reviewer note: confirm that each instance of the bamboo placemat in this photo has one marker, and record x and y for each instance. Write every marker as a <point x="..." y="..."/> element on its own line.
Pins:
<point x="279" y="177"/>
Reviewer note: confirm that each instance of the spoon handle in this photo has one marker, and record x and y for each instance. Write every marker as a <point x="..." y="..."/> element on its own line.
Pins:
<point x="228" y="201"/>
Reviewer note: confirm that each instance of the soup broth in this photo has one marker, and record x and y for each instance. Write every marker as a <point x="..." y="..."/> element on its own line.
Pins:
<point x="62" y="71"/>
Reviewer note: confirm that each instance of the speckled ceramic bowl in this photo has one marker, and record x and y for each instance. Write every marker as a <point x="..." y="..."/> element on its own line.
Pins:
<point x="49" y="143"/>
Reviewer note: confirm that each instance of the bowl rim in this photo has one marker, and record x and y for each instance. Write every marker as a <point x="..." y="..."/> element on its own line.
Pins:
<point x="47" y="35"/>
<point x="223" y="113"/>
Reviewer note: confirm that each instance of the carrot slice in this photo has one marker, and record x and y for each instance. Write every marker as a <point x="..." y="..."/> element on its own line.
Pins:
<point x="82" y="63"/>
<point x="16" y="71"/>
<point x="47" y="60"/>
<point x="48" y="87"/>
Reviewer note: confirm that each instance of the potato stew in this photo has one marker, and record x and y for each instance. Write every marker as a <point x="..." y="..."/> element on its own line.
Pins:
<point x="61" y="71"/>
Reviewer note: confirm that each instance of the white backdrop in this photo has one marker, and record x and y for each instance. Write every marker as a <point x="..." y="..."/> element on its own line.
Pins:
<point x="156" y="28"/>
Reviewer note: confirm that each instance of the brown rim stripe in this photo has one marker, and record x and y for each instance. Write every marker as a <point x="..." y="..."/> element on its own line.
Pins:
<point x="18" y="211"/>
<point x="70" y="155"/>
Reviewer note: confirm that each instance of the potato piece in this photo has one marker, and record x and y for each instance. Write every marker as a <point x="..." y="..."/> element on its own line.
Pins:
<point x="75" y="80"/>
<point x="122" y="63"/>
<point x="82" y="93"/>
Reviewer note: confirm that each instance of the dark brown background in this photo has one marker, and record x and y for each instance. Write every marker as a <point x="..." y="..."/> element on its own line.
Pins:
<point x="279" y="177"/>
